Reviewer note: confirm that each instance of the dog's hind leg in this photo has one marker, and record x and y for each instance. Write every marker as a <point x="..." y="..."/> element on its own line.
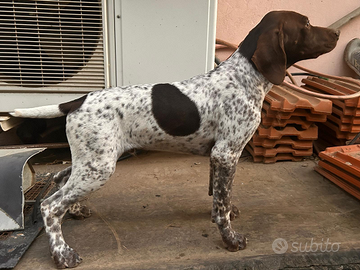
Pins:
<point x="90" y="170"/>
<point x="211" y="179"/>
<point x="84" y="179"/>
<point x="62" y="177"/>
<point x="77" y="210"/>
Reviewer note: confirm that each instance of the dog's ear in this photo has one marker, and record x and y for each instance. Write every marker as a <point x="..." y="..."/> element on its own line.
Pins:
<point x="270" y="57"/>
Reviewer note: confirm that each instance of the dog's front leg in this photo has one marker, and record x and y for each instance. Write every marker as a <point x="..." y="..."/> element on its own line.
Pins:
<point x="223" y="166"/>
<point x="234" y="210"/>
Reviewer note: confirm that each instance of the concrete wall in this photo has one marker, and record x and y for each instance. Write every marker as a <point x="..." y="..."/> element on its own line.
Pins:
<point x="237" y="17"/>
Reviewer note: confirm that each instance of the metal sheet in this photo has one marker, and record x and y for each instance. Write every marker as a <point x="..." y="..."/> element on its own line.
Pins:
<point x="12" y="162"/>
<point x="14" y="246"/>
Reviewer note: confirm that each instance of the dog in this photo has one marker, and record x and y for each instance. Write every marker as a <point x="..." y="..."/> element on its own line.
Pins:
<point x="212" y="114"/>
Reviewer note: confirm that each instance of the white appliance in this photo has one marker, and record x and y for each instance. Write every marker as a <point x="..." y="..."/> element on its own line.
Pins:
<point x="55" y="50"/>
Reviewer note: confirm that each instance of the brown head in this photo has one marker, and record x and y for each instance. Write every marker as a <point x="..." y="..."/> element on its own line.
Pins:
<point x="283" y="38"/>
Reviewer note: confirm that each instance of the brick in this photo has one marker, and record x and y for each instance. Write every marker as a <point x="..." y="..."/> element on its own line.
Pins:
<point x="268" y="143"/>
<point x="283" y="99"/>
<point x="275" y="133"/>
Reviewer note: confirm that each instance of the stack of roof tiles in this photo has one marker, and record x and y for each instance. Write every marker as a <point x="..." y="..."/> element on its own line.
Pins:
<point x="344" y="122"/>
<point x="341" y="165"/>
<point x="287" y="128"/>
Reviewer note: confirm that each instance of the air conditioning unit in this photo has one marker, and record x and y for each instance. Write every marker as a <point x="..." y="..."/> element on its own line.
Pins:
<point x="55" y="50"/>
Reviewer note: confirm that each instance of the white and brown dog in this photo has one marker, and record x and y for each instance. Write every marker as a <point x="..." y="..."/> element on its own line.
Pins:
<point x="212" y="114"/>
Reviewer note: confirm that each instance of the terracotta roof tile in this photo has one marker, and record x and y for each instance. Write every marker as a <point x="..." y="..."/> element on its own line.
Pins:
<point x="276" y="133"/>
<point x="284" y="99"/>
<point x="285" y="140"/>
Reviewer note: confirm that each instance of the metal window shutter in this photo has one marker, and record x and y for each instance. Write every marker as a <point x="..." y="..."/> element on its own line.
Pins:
<point x="51" y="45"/>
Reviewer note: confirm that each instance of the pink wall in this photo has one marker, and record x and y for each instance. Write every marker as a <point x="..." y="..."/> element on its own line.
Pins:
<point x="237" y="17"/>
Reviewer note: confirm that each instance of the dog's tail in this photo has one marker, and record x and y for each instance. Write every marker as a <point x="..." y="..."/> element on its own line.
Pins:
<point x="50" y="111"/>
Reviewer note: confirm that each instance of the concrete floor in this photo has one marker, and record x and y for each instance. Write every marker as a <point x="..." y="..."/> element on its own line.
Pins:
<point x="154" y="213"/>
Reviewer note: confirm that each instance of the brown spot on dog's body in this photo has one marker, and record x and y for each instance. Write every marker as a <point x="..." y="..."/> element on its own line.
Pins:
<point x="174" y="112"/>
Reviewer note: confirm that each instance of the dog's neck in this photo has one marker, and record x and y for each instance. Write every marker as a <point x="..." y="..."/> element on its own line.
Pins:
<point x="241" y="68"/>
<point x="247" y="50"/>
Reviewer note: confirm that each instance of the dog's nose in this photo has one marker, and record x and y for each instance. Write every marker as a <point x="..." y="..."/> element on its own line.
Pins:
<point x="337" y="33"/>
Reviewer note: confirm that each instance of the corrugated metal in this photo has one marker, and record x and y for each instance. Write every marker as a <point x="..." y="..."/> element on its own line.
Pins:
<point x="51" y="45"/>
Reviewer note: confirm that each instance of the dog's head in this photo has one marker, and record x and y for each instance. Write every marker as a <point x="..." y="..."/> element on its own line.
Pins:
<point x="281" y="39"/>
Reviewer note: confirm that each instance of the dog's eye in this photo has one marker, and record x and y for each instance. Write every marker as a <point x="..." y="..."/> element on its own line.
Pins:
<point x="307" y="24"/>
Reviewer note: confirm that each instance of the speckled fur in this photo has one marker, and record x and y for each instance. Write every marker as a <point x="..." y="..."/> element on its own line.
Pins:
<point x="77" y="210"/>
<point x="228" y="100"/>
<point x="112" y="121"/>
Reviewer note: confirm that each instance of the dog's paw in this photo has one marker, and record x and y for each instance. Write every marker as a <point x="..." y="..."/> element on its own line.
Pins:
<point x="238" y="242"/>
<point x="66" y="257"/>
<point x="80" y="211"/>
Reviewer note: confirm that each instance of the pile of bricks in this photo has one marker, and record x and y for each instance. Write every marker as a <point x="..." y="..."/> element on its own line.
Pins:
<point x="287" y="128"/>
<point x="344" y="122"/>
<point x="341" y="165"/>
